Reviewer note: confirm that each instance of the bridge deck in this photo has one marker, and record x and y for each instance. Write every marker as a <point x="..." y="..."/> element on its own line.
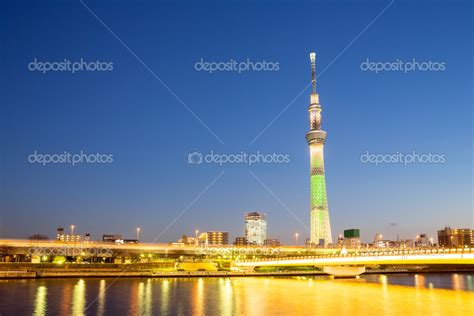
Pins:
<point x="457" y="257"/>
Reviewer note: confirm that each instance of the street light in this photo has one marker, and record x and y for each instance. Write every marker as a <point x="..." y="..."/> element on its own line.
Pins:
<point x="296" y="239"/>
<point x="138" y="233"/>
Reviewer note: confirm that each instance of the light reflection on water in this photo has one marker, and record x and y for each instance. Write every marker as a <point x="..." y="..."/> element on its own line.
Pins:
<point x="79" y="298"/>
<point x="165" y="286"/>
<point x="452" y="281"/>
<point x="101" y="299"/>
<point x="370" y="294"/>
<point x="40" y="301"/>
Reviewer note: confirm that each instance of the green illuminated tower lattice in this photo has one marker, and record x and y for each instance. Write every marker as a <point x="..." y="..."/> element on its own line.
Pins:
<point x="320" y="225"/>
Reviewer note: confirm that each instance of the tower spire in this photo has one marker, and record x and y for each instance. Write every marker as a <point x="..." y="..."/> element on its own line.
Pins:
<point x="312" y="56"/>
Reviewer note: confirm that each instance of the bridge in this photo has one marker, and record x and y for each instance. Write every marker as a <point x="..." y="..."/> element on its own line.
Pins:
<point x="104" y="249"/>
<point x="35" y="251"/>
<point x="354" y="263"/>
<point x="335" y="261"/>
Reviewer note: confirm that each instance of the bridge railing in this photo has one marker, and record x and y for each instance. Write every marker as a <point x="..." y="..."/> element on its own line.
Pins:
<point x="370" y="253"/>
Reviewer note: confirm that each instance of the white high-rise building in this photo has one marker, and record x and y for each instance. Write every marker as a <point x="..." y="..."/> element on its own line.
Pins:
<point x="255" y="228"/>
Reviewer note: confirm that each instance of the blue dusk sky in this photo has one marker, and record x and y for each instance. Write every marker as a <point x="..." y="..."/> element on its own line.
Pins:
<point x="151" y="105"/>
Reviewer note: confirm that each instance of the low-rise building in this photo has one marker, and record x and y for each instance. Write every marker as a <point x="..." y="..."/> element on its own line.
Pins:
<point x="455" y="237"/>
<point x="215" y="238"/>
<point x="241" y="241"/>
<point x="186" y="240"/>
<point x="61" y="236"/>
<point x="352" y="238"/>
<point x="272" y="242"/>
<point x="130" y="241"/>
<point x="422" y="240"/>
<point x="111" y="238"/>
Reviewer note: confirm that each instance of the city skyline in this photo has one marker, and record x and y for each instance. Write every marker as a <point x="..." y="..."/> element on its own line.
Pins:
<point x="71" y="233"/>
<point x="128" y="113"/>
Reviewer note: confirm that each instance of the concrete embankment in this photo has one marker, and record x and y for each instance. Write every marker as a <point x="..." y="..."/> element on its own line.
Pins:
<point x="29" y="270"/>
<point x="56" y="273"/>
<point x="112" y="270"/>
<point x="17" y="274"/>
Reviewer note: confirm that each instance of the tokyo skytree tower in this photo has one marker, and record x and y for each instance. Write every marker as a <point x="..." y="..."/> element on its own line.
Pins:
<point x="316" y="137"/>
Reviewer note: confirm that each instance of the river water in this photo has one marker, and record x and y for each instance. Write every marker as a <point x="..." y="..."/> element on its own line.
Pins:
<point x="401" y="294"/>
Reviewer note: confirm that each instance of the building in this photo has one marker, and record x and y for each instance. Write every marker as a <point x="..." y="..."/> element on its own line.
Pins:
<point x="352" y="233"/>
<point x="255" y="228"/>
<point x="112" y="238"/>
<point x="378" y="238"/>
<point x="340" y="240"/>
<point x="70" y="238"/>
<point x="189" y="240"/>
<point x="385" y="244"/>
<point x="316" y="137"/>
<point x="61" y="236"/>
<point x="215" y="238"/>
<point x="241" y="241"/>
<point x="404" y="243"/>
<point x="455" y="237"/>
<point x="352" y="238"/>
<point x="379" y="242"/>
<point x="422" y="240"/>
<point x="272" y="242"/>
<point x="130" y="241"/>
<point x="60" y="233"/>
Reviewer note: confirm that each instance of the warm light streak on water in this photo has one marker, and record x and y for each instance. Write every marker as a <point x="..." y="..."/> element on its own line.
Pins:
<point x="164" y="299"/>
<point x="40" y="301"/>
<point x="368" y="295"/>
<point x="79" y="298"/>
<point x="101" y="299"/>
<point x="198" y="297"/>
